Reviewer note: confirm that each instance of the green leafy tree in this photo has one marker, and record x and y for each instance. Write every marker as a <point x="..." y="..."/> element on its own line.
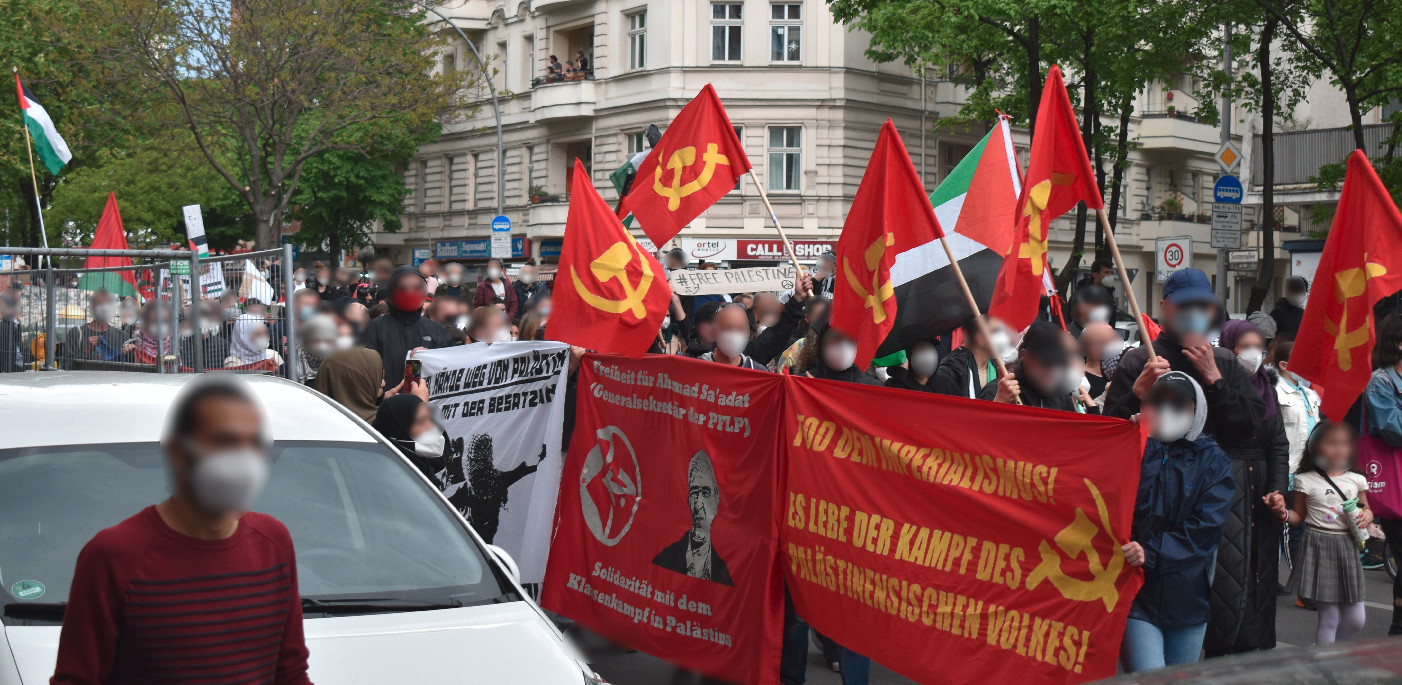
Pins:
<point x="264" y="86"/>
<point x="345" y="192"/>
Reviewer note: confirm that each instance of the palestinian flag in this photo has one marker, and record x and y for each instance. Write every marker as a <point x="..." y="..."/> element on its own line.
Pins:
<point x="47" y="142"/>
<point x="622" y="177"/>
<point x="110" y="236"/>
<point x="976" y="204"/>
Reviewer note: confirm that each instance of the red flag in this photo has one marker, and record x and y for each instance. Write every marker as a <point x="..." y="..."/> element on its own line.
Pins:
<point x="1058" y="176"/>
<point x="110" y="236"/>
<point x="611" y="293"/>
<point x="698" y="160"/>
<point x="890" y="214"/>
<point x="1150" y="327"/>
<point x="1361" y="264"/>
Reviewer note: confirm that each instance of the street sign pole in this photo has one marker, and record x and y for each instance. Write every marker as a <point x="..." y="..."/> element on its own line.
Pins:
<point x="1222" y="290"/>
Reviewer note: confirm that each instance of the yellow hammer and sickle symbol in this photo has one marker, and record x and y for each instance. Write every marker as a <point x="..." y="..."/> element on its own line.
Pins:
<point x="1348" y="284"/>
<point x="613" y="263"/>
<point x="879" y="292"/>
<point x="677" y="163"/>
<point x="1035" y="249"/>
<point x="1075" y="540"/>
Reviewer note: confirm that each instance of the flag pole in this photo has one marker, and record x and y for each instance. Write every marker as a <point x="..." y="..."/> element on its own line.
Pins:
<point x="1124" y="278"/>
<point x="973" y="306"/>
<point x="33" y="178"/>
<point x="788" y="246"/>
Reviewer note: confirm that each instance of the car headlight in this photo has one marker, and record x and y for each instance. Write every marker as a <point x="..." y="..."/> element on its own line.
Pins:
<point x="590" y="677"/>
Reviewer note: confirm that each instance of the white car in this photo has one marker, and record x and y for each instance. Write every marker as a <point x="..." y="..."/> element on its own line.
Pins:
<point x="396" y="587"/>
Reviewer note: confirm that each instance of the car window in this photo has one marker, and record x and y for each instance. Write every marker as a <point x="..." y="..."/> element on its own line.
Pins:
<point x="363" y="523"/>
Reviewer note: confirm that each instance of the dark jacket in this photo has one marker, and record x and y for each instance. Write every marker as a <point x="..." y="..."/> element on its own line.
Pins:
<point x="955" y="372"/>
<point x="484" y="295"/>
<point x="1234" y="410"/>
<point x="1243" y="588"/>
<point x="820" y="369"/>
<point x="1185" y="494"/>
<point x="901" y="377"/>
<point x="673" y="558"/>
<point x="525" y="293"/>
<point x="396" y="333"/>
<point x="772" y="341"/>
<point x="1030" y="396"/>
<point x="11" y="338"/>
<point x="1287" y="318"/>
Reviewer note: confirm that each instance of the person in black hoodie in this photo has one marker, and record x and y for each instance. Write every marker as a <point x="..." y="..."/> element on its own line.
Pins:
<point x="922" y="360"/>
<point x="408" y="423"/>
<point x="968" y="368"/>
<point x="1042" y="375"/>
<point x="405" y="328"/>
<point x="1289" y="310"/>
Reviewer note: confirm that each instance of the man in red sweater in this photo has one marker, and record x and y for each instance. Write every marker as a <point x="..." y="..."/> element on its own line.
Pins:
<point x="196" y="589"/>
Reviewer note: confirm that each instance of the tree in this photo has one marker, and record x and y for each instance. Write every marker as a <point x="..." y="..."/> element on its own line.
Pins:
<point x="345" y="192"/>
<point x="1356" y="41"/>
<point x="153" y="181"/>
<point x="263" y="86"/>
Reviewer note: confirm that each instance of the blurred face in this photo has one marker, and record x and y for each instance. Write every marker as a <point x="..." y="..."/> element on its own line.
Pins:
<point x="1101" y="274"/>
<point x="527" y="274"/>
<point x="767" y="309"/>
<point x="452" y="273"/>
<point x="489" y="325"/>
<point x="543" y="307"/>
<point x="429" y="268"/>
<point x="515" y="332"/>
<point x="383" y="270"/>
<point x="224" y="428"/>
<point x="1188" y="320"/>
<point x="104" y="307"/>
<point x="708" y="267"/>
<point x="839" y="350"/>
<point x="308" y="303"/>
<point x="323" y="275"/>
<point x="1334" y="453"/>
<point x="258" y="337"/>
<point x="255" y="308"/>
<point x="423" y="421"/>
<point x="494" y="271"/>
<point x="815" y="312"/>
<point x="408" y="292"/>
<point x="357" y="314"/>
<point x="1098" y="341"/>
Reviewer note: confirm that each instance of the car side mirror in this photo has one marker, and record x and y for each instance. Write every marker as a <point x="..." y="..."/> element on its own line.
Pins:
<point x="506" y="561"/>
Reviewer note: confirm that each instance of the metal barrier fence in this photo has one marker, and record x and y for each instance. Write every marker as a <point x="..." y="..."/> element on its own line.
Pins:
<point x="152" y="316"/>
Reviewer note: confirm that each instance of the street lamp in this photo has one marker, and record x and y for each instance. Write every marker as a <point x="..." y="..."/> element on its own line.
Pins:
<point x="496" y="107"/>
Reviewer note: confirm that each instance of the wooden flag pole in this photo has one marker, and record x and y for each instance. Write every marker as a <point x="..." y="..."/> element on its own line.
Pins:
<point x="1124" y="279"/>
<point x="788" y="246"/>
<point x="973" y="306"/>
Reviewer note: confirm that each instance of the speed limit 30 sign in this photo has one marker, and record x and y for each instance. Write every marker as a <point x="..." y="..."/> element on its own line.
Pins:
<point x="1170" y="255"/>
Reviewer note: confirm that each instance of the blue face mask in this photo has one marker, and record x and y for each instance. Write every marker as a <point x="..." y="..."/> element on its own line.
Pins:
<point x="308" y="312"/>
<point x="1191" y="321"/>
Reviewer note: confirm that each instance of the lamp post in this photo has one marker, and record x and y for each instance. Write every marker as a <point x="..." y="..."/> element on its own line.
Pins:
<point x="496" y="107"/>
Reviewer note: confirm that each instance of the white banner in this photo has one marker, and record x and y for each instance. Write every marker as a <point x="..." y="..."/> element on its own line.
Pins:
<point x="721" y="281"/>
<point x="503" y="407"/>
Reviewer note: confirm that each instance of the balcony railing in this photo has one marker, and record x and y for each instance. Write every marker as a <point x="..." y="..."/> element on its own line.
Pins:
<point x="1300" y="154"/>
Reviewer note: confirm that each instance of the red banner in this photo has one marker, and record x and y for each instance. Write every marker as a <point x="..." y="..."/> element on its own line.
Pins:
<point x="666" y="527"/>
<point x="979" y="544"/>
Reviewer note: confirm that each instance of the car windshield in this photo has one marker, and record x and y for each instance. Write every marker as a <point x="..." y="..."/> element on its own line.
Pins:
<point x="368" y="531"/>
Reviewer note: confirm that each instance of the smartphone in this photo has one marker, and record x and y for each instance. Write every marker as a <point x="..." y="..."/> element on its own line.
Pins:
<point x="413" y="370"/>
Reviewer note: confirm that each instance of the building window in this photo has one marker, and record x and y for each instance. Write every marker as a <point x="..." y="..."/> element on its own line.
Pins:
<point x="501" y="59"/>
<point x="637" y="40"/>
<point x="786" y="32"/>
<point x="528" y="59"/>
<point x="635" y="143"/>
<point x="450" y="61"/>
<point x="725" y="31"/>
<point x="739" y="135"/>
<point x="785" y="157"/>
<point x="423" y="185"/>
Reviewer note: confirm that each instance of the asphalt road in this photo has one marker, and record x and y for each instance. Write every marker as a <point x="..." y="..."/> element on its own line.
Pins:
<point x="1294" y="630"/>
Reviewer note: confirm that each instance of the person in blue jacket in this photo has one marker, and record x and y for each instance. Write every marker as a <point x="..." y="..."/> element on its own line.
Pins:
<point x="1185" y="496"/>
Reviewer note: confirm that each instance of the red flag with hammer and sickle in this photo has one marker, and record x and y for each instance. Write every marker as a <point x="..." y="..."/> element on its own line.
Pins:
<point x="698" y="160"/>
<point x="1361" y="264"/>
<point x="610" y="294"/>
<point x="1058" y="176"/>
<point x="890" y="214"/>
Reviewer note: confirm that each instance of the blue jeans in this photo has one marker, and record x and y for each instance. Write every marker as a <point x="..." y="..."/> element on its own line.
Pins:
<point x="793" y="659"/>
<point x="1147" y="646"/>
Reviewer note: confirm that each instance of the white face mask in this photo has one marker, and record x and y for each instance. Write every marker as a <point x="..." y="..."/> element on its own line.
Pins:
<point x="103" y="312"/>
<point x="1100" y="314"/>
<point x="345" y="342"/>
<point x="1171" y="424"/>
<point x="228" y="482"/>
<point x="839" y="356"/>
<point x="527" y="278"/>
<point x="1074" y="375"/>
<point x="429" y="443"/>
<point x="463" y="322"/>
<point x="453" y="278"/>
<point x="162" y="330"/>
<point x="1112" y="350"/>
<point x="1003" y="346"/>
<point x="258" y="343"/>
<point x="1110" y="282"/>
<point x="502" y="335"/>
<point x="493" y="273"/>
<point x="321" y="349"/>
<point x="128" y="318"/>
<point x="1296" y="300"/>
<point x="667" y="321"/>
<point x="732" y="343"/>
<point x="1250" y="359"/>
<point x="210" y="328"/>
<point x="1084" y="384"/>
<point x="924" y="363"/>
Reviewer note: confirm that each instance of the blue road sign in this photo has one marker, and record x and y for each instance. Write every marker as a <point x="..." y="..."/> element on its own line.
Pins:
<point x="1228" y="190"/>
<point x="501" y="224"/>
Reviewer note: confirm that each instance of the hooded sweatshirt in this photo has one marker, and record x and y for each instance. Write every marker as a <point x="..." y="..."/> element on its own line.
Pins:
<point x="396" y="333"/>
<point x="820" y="369"/>
<point x="1184" y="499"/>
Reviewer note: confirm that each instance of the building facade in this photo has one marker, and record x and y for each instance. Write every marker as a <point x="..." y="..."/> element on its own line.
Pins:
<point x="806" y="102"/>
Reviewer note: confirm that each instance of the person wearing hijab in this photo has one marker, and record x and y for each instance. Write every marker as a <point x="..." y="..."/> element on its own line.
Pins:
<point x="249" y="343"/>
<point x="407" y="422"/>
<point x="355" y="378"/>
<point x="1244" y="586"/>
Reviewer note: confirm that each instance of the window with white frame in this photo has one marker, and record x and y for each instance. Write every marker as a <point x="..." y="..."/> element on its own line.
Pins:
<point x="726" y="31"/>
<point x="786" y="32"/>
<point x="785" y="157"/>
<point x="501" y="55"/>
<point x="635" y="143"/>
<point x="637" y="40"/>
<point x="739" y="135"/>
<point x="528" y="58"/>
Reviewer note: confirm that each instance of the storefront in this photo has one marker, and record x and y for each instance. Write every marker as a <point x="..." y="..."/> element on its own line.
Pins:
<point x="752" y="250"/>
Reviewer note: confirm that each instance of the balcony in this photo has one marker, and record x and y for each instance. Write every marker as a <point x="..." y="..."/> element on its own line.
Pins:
<point x="547" y="218"/>
<point x="563" y="100"/>
<point x="1174" y="131"/>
